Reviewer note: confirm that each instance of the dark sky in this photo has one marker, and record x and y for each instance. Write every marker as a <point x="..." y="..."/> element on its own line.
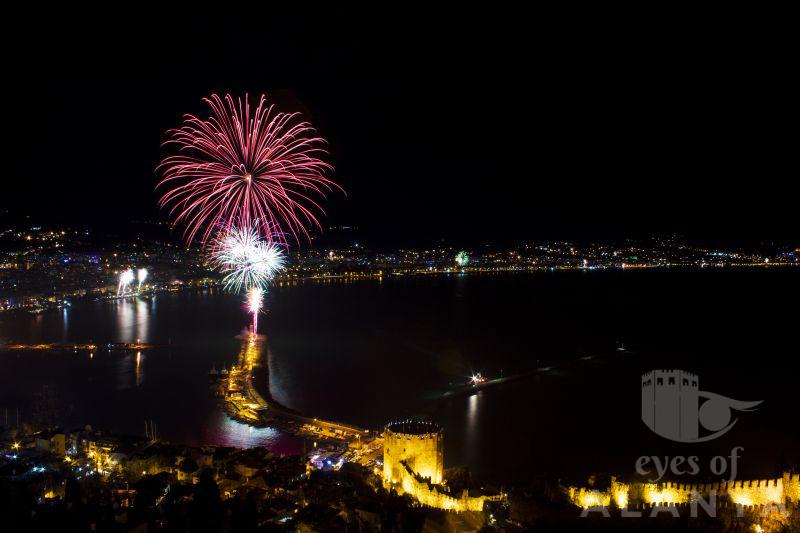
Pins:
<point x="463" y="126"/>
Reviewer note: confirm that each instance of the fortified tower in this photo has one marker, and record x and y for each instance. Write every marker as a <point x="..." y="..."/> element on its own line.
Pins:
<point x="670" y="404"/>
<point x="417" y="444"/>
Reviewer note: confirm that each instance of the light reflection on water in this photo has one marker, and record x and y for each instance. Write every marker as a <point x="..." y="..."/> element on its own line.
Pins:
<point x="167" y="384"/>
<point x="224" y="431"/>
<point x="472" y="412"/>
<point x="142" y="321"/>
<point x="472" y="427"/>
<point x="65" y="329"/>
<point x="133" y="317"/>
<point x="371" y="353"/>
<point x="139" y="375"/>
<point x="130" y="370"/>
<point x="125" y="320"/>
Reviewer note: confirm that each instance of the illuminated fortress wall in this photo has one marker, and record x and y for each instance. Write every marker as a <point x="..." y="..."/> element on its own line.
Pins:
<point x="438" y="496"/>
<point x="750" y="493"/>
<point x="418" y="444"/>
<point x="413" y="464"/>
<point x="619" y="493"/>
<point x="791" y="487"/>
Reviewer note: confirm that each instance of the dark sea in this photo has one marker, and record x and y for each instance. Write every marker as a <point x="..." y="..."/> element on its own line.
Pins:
<point x="370" y="352"/>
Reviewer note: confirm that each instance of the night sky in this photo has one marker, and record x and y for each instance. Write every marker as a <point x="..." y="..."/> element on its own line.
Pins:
<point x="462" y="127"/>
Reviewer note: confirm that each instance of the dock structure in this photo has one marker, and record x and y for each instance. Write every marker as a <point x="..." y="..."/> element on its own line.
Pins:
<point x="85" y="347"/>
<point x="249" y="406"/>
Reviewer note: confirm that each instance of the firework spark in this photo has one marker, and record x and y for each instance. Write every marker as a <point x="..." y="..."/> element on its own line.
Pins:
<point x="242" y="165"/>
<point x="245" y="259"/>
<point x="141" y="275"/>
<point x="125" y="279"/>
<point x="255" y="297"/>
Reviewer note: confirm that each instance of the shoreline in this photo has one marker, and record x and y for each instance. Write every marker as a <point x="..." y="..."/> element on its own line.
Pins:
<point x="288" y="280"/>
<point x="242" y="402"/>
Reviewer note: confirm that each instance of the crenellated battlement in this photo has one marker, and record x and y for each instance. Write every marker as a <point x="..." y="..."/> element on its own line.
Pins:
<point x="412" y="464"/>
<point x="414" y="429"/>
<point x="791" y="486"/>
<point x="434" y="495"/>
<point x="584" y="498"/>
<point x="747" y="493"/>
<point x="416" y="442"/>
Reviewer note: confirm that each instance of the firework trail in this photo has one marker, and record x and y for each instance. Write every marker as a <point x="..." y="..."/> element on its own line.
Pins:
<point x="141" y="275"/>
<point x="242" y="165"/>
<point x="246" y="260"/>
<point x="255" y="298"/>
<point x="125" y="279"/>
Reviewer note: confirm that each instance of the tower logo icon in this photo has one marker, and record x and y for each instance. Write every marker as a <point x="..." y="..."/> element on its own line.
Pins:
<point x="671" y="407"/>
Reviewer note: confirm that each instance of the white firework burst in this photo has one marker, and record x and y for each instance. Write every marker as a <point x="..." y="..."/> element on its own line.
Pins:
<point x="246" y="260"/>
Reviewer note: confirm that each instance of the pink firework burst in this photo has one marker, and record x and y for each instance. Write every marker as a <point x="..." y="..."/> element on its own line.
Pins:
<point x="246" y="168"/>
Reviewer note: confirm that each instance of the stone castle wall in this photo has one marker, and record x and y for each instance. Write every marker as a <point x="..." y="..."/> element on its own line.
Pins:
<point x="413" y="464"/>
<point x="748" y="493"/>
<point x="437" y="496"/>
<point x="422" y="452"/>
